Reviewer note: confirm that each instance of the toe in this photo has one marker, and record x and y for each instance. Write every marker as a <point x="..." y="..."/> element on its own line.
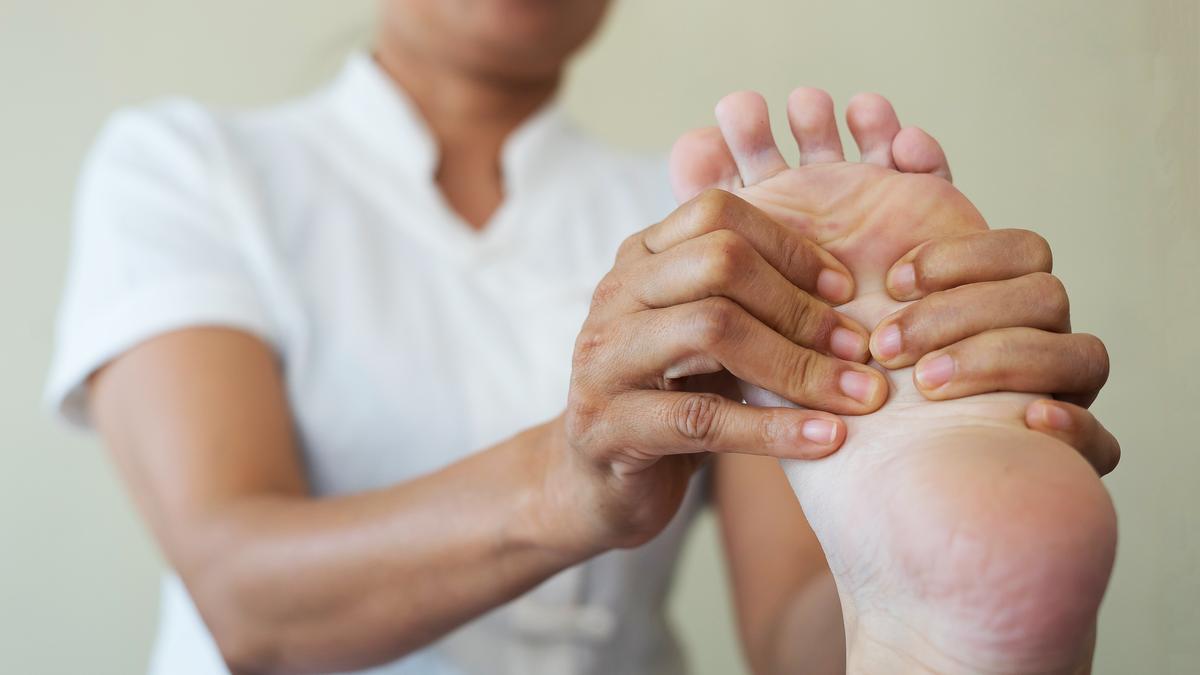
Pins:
<point x="746" y="127"/>
<point x="874" y="124"/>
<point x="915" y="151"/>
<point x="701" y="160"/>
<point x="813" y="123"/>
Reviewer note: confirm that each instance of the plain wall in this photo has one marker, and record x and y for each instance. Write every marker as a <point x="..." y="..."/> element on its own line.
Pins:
<point x="1075" y="118"/>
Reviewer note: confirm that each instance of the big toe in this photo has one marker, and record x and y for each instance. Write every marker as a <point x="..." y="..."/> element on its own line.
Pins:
<point x="701" y="160"/>
<point x="746" y="127"/>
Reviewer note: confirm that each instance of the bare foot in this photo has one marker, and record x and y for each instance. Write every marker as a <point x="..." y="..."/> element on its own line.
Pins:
<point x="960" y="540"/>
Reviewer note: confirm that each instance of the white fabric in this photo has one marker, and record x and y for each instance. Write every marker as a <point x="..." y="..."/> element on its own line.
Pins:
<point x="409" y="340"/>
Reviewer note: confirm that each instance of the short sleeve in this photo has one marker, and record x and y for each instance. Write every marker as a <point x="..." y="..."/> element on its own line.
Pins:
<point x="152" y="249"/>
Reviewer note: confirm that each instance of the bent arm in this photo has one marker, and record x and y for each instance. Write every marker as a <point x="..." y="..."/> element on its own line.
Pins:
<point x="199" y="426"/>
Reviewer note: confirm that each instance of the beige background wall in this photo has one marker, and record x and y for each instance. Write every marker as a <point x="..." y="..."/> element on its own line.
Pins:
<point x="1076" y="118"/>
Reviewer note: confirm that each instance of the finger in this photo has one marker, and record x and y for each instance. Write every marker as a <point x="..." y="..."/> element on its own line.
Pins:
<point x="800" y="260"/>
<point x="945" y="317"/>
<point x="814" y="126"/>
<point x="915" y="151"/>
<point x="667" y="423"/>
<point x="746" y="127"/>
<point x="1078" y="428"/>
<point x="650" y="349"/>
<point x="874" y="125"/>
<point x="947" y="262"/>
<point x="1073" y="367"/>
<point x="723" y="263"/>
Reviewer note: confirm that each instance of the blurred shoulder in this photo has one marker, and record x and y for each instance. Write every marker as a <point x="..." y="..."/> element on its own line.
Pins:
<point x="186" y="135"/>
<point x="173" y="132"/>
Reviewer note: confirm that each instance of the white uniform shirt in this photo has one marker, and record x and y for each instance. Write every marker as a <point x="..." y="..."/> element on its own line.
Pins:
<point x="408" y="339"/>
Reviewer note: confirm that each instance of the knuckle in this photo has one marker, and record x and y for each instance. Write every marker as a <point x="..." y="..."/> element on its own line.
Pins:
<point x="811" y="320"/>
<point x="796" y="258"/>
<point x="726" y="256"/>
<point x="701" y="214"/>
<point x="711" y="206"/>
<point x="774" y="429"/>
<point x="937" y="304"/>
<point x="715" y="321"/>
<point x="1038" y="252"/>
<point x="1095" y="355"/>
<point x="695" y="417"/>
<point x="1113" y="458"/>
<point x="630" y="245"/>
<point x="1048" y="284"/>
<point x="608" y="287"/>
<point x="930" y="321"/>
<point x="805" y="366"/>
<point x="1053" y="293"/>
<point x="584" y="416"/>
<point x="590" y="343"/>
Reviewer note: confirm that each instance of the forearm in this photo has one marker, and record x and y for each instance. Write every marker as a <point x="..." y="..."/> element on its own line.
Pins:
<point x="290" y="584"/>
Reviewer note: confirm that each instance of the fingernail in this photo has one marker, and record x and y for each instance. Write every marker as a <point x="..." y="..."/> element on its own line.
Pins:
<point x="846" y="344"/>
<point x="935" y="372"/>
<point x="834" y="286"/>
<point x="822" y="432"/>
<point x="859" y="386"/>
<point x="903" y="279"/>
<point x="1055" y="417"/>
<point x="887" y="344"/>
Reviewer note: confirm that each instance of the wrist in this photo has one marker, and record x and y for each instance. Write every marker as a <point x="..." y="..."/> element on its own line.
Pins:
<point x="560" y="510"/>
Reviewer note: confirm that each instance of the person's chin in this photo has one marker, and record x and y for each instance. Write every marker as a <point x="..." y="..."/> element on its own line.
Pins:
<point x="554" y="26"/>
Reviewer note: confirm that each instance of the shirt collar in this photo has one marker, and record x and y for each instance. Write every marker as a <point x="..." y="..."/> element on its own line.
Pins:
<point x="384" y="116"/>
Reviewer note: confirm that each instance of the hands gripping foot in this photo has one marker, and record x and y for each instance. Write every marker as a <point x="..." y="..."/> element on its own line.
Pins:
<point x="960" y="540"/>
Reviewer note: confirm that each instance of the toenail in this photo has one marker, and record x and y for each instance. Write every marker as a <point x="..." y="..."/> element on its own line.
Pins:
<point x="935" y="372"/>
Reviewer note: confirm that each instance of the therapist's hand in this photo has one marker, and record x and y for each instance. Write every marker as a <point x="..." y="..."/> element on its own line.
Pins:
<point x="987" y="304"/>
<point x="716" y="288"/>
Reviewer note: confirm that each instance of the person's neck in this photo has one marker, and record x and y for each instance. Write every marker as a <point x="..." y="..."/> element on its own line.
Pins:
<point x="470" y="115"/>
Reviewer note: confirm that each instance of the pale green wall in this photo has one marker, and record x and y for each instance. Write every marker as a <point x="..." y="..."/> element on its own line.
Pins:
<point x="1076" y="118"/>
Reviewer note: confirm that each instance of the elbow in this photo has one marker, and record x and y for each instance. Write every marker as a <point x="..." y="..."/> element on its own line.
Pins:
<point x="249" y="641"/>
<point x="262" y="628"/>
<point x="238" y="583"/>
<point x="245" y="646"/>
<point x="248" y="656"/>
